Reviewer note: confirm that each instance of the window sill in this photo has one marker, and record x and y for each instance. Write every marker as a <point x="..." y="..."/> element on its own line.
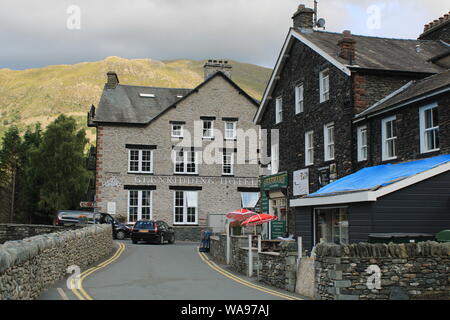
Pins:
<point x="388" y="159"/>
<point x="429" y="151"/>
<point x="208" y="139"/>
<point x="185" y="224"/>
<point x="227" y="175"/>
<point x="141" y="173"/>
<point x="185" y="174"/>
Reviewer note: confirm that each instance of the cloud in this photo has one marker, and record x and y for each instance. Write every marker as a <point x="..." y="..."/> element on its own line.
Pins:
<point x="34" y="33"/>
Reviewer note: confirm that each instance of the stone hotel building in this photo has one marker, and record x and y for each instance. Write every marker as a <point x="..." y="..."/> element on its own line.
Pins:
<point x="172" y="154"/>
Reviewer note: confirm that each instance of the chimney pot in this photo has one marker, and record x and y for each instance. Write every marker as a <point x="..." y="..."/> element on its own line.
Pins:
<point x="113" y="80"/>
<point x="213" y="66"/>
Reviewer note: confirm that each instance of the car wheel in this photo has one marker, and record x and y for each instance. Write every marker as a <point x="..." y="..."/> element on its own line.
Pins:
<point x="172" y="239"/>
<point x="161" y="239"/>
<point x="134" y="241"/>
<point x="120" y="235"/>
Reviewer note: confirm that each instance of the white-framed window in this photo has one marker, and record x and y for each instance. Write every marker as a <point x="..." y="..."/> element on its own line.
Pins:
<point x="208" y="129"/>
<point x="328" y="135"/>
<point x="309" y="148"/>
<point x="177" y="130"/>
<point x="278" y="110"/>
<point x="140" y="161"/>
<point x="139" y="205"/>
<point x="299" y="99"/>
<point x="230" y="130"/>
<point x="324" y="85"/>
<point x="275" y="158"/>
<point x="185" y="207"/>
<point x="389" y="138"/>
<point x="185" y="161"/>
<point x="429" y="128"/>
<point x="362" y="143"/>
<point x="249" y="200"/>
<point x="227" y="162"/>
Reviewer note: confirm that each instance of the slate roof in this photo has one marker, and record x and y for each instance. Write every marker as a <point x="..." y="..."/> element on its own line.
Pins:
<point x="410" y="91"/>
<point x="123" y="104"/>
<point x="383" y="53"/>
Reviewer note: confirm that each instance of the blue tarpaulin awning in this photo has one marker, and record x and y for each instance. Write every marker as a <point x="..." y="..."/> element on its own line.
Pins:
<point x="373" y="178"/>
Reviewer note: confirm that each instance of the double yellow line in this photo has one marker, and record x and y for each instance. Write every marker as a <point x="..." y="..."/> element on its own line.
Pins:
<point x="231" y="276"/>
<point x="81" y="293"/>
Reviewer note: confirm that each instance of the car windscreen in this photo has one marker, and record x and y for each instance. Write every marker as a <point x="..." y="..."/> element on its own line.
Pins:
<point x="148" y="225"/>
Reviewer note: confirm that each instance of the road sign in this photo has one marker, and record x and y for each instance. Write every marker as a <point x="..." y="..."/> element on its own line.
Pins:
<point x="86" y="204"/>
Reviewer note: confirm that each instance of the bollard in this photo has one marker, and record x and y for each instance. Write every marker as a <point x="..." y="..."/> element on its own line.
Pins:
<point x="250" y="256"/>
<point x="300" y="250"/>
<point x="228" y="243"/>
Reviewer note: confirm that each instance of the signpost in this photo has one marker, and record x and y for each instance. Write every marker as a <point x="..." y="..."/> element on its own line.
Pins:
<point x="87" y="204"/>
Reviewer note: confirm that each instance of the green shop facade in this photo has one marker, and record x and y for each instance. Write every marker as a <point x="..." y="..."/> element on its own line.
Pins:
<point x="274" y="201"/>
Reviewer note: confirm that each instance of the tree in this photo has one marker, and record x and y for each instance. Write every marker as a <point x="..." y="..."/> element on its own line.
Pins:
<point x="11" y="175"/>
<point x="58" y="165"/>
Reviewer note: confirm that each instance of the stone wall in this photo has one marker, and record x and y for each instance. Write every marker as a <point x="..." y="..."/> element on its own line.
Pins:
<point x="9" y="232"/>
<point x="31" y="265"/>
<point x="408" y="271"/>
<point x="279" y="269"/>
<point x="218" y="248"/>
<point x="238" y="255"/>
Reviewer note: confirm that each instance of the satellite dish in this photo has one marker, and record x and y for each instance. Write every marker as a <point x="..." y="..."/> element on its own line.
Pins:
<point x="321" y="23"/>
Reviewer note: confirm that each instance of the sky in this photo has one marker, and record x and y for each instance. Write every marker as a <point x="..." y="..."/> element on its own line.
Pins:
<point x="37" y="33"/>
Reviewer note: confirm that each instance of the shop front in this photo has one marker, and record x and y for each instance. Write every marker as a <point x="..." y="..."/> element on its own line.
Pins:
<point x="274" y="201"/>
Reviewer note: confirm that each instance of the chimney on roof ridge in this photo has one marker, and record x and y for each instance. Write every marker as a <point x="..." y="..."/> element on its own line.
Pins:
<point x="113" y="80"/>
<point x="436" y="23"/>
<point x="347" y="48"/>
<point x="213" y="66"/>
<point x="303" y="18"/>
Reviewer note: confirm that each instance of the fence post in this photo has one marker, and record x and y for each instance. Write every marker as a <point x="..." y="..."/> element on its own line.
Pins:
<point x="250" y="256"/>
<point x="300" y="250"/>
<point x="259" y="244"/>
<point x="228" y="243"/>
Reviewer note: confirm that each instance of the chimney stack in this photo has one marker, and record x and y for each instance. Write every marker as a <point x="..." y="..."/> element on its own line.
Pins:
<point x="303" y="18"/>
<point x="347" y="48"/>
<point x="113" y="80"/>
<point x="436" y="29"/>
<point x="213" y="66"/>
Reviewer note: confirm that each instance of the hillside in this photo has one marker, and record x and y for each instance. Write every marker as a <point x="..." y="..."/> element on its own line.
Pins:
<point x="39" y="95"/>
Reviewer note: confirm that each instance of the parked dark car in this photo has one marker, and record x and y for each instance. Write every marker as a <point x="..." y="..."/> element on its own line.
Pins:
<point x="159" y="231"/>
<point x="73" y="217"/>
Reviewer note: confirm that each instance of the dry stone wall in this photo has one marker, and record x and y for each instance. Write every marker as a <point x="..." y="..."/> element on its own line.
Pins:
<point x="365" y="271"/>
<point x="31" y="265"/>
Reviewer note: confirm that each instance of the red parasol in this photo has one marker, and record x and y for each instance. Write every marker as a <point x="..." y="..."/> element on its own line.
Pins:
<point x="258" y="219"/>
<point x="240" y="214"/>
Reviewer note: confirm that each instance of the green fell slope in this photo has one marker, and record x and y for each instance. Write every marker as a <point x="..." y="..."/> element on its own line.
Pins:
<point x="40" y="95"/>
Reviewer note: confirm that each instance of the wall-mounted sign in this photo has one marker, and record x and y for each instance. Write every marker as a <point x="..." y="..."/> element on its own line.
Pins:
<point x="327" y="175"/>
<point x="111" y="208"/>
<point x="301" y="182"/>
<point x="275" y="182"/>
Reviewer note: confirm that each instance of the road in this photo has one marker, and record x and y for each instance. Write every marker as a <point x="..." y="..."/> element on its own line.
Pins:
<point x="166" y="272"/>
